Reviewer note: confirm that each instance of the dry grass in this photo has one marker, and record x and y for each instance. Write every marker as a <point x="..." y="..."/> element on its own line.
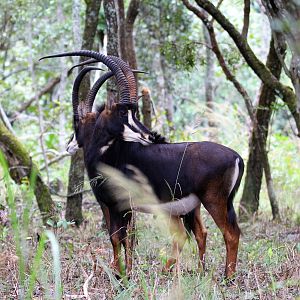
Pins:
<point x="269" y="263"/>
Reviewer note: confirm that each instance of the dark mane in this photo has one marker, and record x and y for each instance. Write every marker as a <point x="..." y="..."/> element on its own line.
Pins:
<point x="158" y="138"/>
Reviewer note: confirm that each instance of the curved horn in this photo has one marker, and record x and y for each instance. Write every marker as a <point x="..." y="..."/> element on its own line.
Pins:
<point x="97" y="85"/>
<point x="129" y="75"/>
<point x="86" y="62"/>
<point x="111" y="64"/>
<point x="94" y="90"/>
<point x="75" y="93"/>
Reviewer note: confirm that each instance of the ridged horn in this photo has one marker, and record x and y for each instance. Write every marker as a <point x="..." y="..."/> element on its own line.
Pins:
<point x="129" y="75"/>
<point x="75" y="93"/>
<point x="97" y="85"/>
<point x="94" y="90"/>
<point x="111" y="64"/>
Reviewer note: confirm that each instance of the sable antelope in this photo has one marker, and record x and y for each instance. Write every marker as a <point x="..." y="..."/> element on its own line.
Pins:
<point x="208" y="172"/>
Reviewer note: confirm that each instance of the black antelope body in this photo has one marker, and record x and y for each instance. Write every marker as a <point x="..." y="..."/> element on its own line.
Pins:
<point x="191" y="172"/>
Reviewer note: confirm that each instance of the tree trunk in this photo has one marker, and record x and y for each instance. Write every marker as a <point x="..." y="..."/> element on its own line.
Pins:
<point x="209" y="79"/>
<point x="166" y="80"/>
<point x="76" y="172"/>
<point x="146" y="110"/>
<point x="121" y="29"/>
<point x="22" y="167"/>
<point x="250" y="198"/>
<point x="112" y="45"/>
<point x="284" y="18"/>
<point x="229" y="75"/>
<point x="131" y="15"/>
<point x="264" y="73"/>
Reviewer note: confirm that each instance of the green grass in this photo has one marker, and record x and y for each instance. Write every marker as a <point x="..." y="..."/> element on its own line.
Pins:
<point x="28" y="261"/>
<point x="70" y="263"/>
<point x="268" y="266"/>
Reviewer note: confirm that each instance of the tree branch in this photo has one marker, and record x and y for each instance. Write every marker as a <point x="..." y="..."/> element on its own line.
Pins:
<point x="14" y="72"/>
<point x="132" y="11"/>
<point x="47" y="88"/>
<point x="246" y="19"/>
<point x="283" y="91"/>
<point x="257" y="131"/>
<point x="55" y="160"/>
<point x="5" y="119"/>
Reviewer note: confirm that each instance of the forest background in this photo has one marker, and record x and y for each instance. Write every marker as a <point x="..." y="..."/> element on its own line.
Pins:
<point x="224" y="71"/>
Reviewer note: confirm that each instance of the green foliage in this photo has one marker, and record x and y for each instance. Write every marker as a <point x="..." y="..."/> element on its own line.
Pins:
<point x="183" y="54"/>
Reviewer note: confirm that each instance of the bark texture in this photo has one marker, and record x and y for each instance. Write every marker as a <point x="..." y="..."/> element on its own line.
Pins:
<point x="122" y="29"/>
<point x="146" y="110"/>
<point x="112" y="45"/>
<point x="131" y="15"/>
<point x="22" y="167"/>
<point x="76" y="171"/>
<point x="209" y="89"/>
<point x="250" y="198"/>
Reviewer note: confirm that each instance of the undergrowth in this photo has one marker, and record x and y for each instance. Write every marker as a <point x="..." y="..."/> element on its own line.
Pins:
<point x="74" y="263"/>
<point x="268" y="264"/>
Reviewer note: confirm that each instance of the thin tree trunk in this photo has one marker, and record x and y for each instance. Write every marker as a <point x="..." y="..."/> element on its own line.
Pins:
<point x="166" y="88"/>
<point x="125" y="31"/>
<point x="284" y="18"/>
<point x="229" y="75"/>
<point x="76" y="172"/>
<point x="209" y="79"/>
<point x="62" y="84"/>
<point x="131" y="15"/>
<point x="146" y="110"/>
<point x="121" y="29"/>
<point x="40" y="110"/>
<point x="5" y="119"/>
<point x="112" y="45"/>
<point x="284" y="91"/>
<point x="21" y="166"/>
<point x="250" y="198"/>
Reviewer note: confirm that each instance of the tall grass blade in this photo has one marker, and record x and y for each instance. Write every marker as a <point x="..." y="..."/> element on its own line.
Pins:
<point x="56" y="264"/>
<point x="15" y="223"/>
<point x="36" y="263"/>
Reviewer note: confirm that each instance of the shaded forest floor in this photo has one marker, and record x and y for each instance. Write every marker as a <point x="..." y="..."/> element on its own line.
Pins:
<point x="268" y="267"/>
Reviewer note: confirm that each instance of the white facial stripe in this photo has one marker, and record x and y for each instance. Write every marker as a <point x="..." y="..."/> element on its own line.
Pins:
<point x="105" y="148"/>
<point x="131" y="136"/>
<point x="131" y="121"/>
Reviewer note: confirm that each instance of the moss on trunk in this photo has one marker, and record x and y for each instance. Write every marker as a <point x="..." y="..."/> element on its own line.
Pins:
<point x="22" y="167"/>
